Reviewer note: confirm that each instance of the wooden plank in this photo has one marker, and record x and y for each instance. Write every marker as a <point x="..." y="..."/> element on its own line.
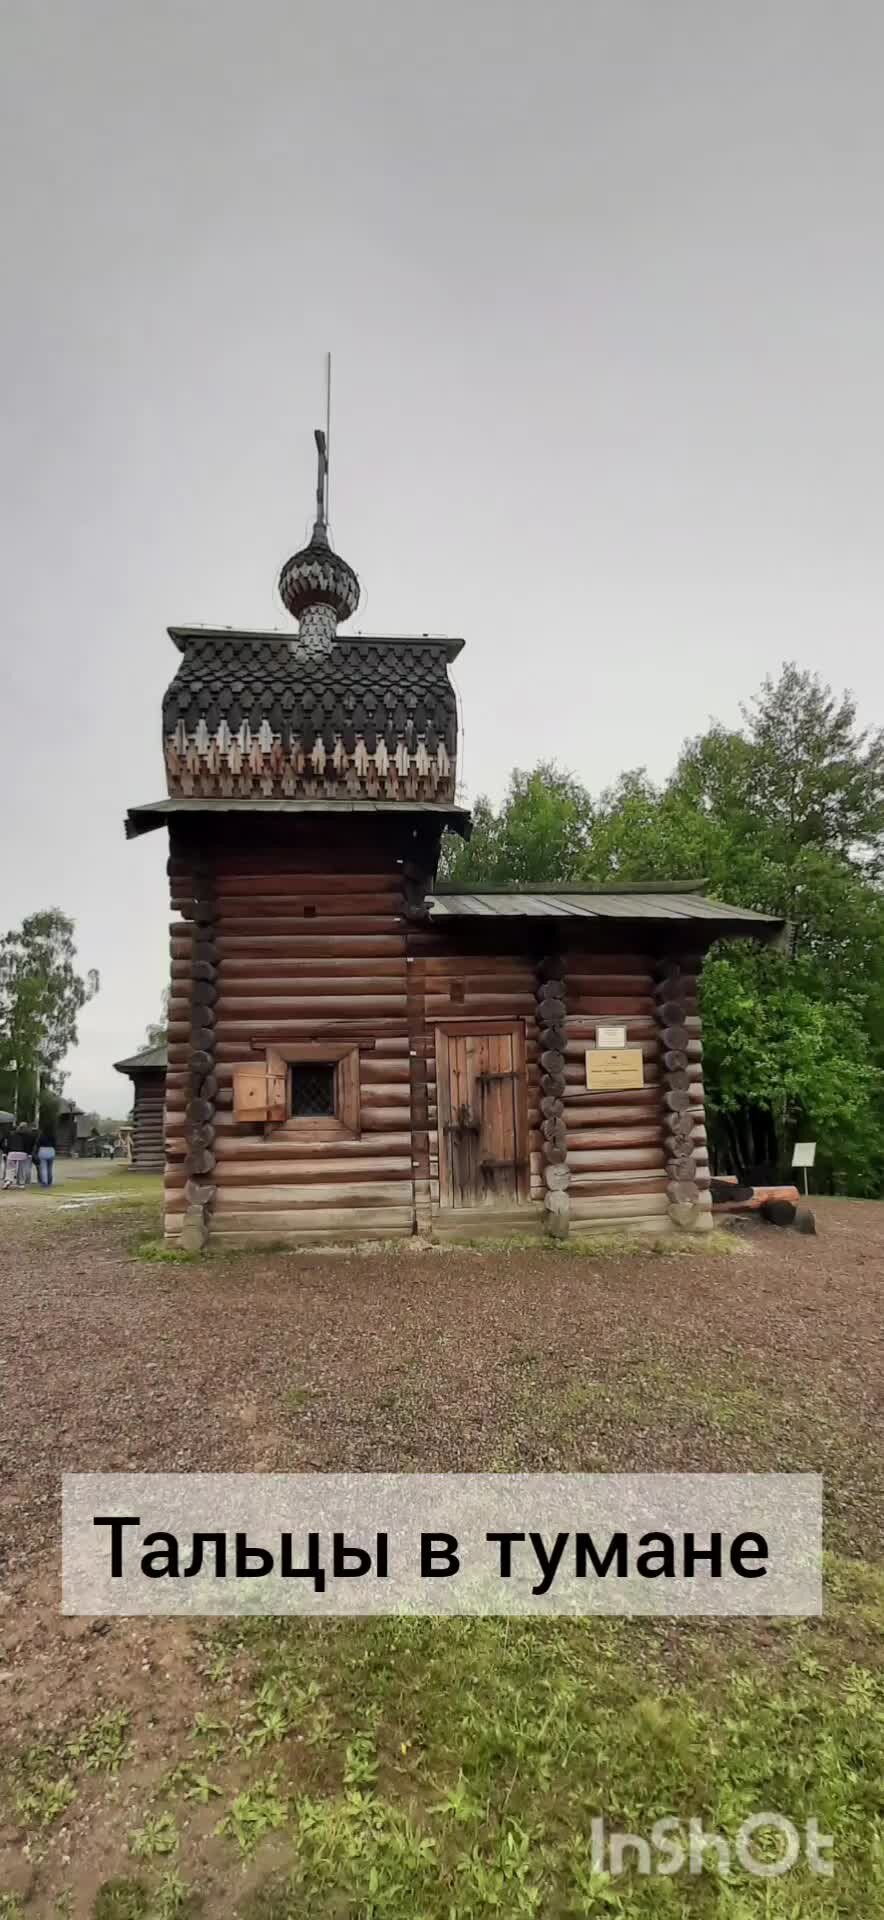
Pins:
<point x="298" y="1199"/>
<point x="614" y="1207"/>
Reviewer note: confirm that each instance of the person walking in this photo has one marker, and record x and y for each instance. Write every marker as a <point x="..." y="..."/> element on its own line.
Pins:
<point x="44" y="1154"/>
<point x="18" y="1157"/>
<point x="29" y="1134"/>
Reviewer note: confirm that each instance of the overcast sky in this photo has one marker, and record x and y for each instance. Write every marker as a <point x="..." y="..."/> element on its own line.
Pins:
<point x="603" y="286"/>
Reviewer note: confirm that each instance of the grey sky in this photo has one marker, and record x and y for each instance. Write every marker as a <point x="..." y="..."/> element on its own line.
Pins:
<point x="604" y="290"/>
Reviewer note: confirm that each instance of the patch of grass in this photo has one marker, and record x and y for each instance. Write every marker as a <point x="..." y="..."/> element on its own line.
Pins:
<point x="102" y="1745"/>
<point x="606" y="1245"/>
<point x="174" y="1899"/>
<point x="157" y="1251"/>
<point x="256" y="1811"/>
<point x="42" y="1786"/>
<point x="121" y="1899"/>
<point x="43" y="1776"/>
<point x="127" y="1899"/>
<point x="11" y="1907"/>
<point x="188" y="1783"/>
<point x="157" y="1838"/>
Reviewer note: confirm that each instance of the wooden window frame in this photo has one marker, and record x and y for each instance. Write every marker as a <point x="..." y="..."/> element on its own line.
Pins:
<point x="343" y="1055"/>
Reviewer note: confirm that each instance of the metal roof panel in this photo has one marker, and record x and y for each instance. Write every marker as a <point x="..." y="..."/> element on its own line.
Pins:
<point x="594" y="904"/>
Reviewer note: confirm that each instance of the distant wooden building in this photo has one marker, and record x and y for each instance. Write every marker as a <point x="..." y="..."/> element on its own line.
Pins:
<point x="147" y="1072"/>
<point x="355" y="1052"/>
<point x="66" y="1129"/>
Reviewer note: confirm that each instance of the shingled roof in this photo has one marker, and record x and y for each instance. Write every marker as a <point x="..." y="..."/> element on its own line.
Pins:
<point x="149" y="1058"/>
<point x="376" y="689"/>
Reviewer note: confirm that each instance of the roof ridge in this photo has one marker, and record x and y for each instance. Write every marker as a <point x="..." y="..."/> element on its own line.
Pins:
<point x="576" y="886"/>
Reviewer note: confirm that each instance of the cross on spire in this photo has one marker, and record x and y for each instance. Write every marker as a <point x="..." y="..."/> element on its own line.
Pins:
<point x="321" y="527"/>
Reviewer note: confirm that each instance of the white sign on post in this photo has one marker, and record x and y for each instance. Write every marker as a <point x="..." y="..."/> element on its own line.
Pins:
<point x="804" y="1155"/>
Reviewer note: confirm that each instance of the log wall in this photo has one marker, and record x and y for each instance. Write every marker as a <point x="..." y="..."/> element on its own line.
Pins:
<point x="329" y="941"/>
<point x="615" y="1140"/>
<point x="148" y="1098"/>
<point x="310" y="945"/>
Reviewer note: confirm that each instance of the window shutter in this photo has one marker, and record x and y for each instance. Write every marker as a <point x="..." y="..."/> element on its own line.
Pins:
<point x="250" y="1093"/>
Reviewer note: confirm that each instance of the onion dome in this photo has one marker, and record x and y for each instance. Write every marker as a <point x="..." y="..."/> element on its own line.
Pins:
<point x="317" y="576"/>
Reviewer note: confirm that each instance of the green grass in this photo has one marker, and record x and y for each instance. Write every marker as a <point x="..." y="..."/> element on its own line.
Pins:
<point x="127" y="1899"/>
<point x="605" y="1244"/>
<point x="43" y="1778"/>
<point x="156" y="1251"/>
<point x="156" y="1838"/>
<point x="460" y="1763"/>
<point x="448" y="1770"/>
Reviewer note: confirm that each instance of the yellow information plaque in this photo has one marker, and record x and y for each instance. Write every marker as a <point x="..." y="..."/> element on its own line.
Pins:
<point x="611" y="1068"/>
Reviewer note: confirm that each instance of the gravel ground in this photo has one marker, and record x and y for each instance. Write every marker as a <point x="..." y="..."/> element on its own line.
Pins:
<point x="439" y="1361"/>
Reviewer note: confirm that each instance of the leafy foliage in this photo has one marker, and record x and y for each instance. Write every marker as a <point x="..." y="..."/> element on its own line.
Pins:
<point x="157" y="1033"/>
<point x="41" y="995"/>
<point x="785" y="815"/>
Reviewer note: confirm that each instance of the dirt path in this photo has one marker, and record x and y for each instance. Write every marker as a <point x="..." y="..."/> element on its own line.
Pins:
<point x="530" y="1360"/>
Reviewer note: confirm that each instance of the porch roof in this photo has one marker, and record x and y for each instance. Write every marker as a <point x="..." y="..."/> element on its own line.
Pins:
<point x="683" y="903"/>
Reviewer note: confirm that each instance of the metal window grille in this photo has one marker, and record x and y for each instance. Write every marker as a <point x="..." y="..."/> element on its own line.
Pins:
<point x="313" y="1090"/>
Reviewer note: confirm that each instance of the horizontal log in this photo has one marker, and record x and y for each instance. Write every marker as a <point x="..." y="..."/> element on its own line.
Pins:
<point x="290" y="1199"/>
<point x="351" y="937"/>
<point x="276" y="884"/>
<point x="636" y="986"/>
<point x="587" y="1159"/>
<point x="287" y="1142"/>
<point x="371" y="1221"/>
<point x="614" y="1207"/>
<point x="267" y="998"/>
<point x="584" y="1139"/>
<point x="597" y="1006"/>
<point x="632" y="1180"/>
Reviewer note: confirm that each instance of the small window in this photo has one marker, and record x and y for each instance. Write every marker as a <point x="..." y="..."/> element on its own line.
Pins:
<point x="313" y="1090"/>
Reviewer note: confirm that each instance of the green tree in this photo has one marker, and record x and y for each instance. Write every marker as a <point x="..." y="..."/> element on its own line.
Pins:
<point x="538" y="835"/>
<point x="41" y="994"/>
<point x="785" y="814"/>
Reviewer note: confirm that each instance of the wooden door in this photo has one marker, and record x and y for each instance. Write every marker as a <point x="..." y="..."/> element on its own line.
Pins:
<point x="480" y="1078"/>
